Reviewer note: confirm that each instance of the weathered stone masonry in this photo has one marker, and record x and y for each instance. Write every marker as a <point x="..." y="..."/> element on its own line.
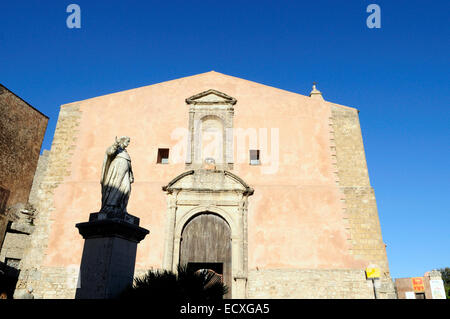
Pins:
<point x="22" y="130"/>
<point x="361" y="208"/>
<point x="309" y="284"/>
<point x="51" y="282"/>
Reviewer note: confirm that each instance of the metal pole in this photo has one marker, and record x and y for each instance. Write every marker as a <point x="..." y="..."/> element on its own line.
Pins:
<point x="374" y="290"/>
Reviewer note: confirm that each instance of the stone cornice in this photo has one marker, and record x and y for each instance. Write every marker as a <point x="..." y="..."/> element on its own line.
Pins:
<point x="248" y="191"/>
<point x="112" y="228"/>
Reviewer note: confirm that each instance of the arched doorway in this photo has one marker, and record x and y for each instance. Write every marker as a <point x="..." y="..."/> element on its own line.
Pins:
<point x="206" y="244"/>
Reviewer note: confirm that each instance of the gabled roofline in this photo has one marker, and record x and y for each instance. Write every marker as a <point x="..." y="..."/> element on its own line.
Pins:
<point x="24" y="101"/>
<point x="203" y="74"/>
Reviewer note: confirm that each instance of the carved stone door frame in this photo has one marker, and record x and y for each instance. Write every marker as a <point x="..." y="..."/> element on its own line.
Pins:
<point x="230" y="203"/>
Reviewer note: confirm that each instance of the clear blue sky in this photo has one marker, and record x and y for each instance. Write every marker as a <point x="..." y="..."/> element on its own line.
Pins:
<point x="397" y="76"/>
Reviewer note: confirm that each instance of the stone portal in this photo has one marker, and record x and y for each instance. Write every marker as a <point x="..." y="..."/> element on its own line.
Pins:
<point x="207" y="223"/>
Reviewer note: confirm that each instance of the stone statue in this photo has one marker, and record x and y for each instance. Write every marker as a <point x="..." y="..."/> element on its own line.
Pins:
<point x="116" y="178"/>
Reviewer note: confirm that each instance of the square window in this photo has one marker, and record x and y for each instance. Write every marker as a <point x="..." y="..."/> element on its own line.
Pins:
<point x="254" y="157"/>
<point x="163" y="156"/>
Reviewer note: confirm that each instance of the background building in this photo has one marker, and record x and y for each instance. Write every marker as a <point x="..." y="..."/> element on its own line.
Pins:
<point x="22" y="130"/>
<point x="430" y="286"/>
<point x="268" y="188"/>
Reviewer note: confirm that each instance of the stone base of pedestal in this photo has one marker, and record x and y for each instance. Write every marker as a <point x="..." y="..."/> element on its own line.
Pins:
<point x="109" y="255"/>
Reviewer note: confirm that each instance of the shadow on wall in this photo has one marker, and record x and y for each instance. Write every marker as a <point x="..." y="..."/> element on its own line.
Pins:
<point x="4" y="195"/>
<point x="8" y="280"/>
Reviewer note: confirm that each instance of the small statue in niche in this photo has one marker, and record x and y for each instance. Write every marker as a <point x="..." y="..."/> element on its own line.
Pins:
<point x="116" y="178"/>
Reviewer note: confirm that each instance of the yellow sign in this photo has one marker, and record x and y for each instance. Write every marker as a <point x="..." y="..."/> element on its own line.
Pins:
<point x="373" y="272"/>
<point x="418" y="284"/>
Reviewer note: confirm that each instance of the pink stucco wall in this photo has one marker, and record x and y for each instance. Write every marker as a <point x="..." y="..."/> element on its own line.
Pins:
<point x="295" y="216"/>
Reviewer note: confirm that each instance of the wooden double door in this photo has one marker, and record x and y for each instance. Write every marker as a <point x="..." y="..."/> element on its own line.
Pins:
<point x="206" y="244"/>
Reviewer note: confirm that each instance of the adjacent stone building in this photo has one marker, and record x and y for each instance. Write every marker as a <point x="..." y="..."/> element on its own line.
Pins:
<point x="428" y="286"/>
<point x="266" y="187"/>
<point x="22" y="129"/>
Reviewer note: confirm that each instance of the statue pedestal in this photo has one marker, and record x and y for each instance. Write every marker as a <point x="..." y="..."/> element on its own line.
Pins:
<point x="109" y="255"/>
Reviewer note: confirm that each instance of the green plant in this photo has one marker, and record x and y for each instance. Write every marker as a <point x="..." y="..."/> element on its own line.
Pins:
<point x="184" y="286"/>
<point x="445" y="273"/>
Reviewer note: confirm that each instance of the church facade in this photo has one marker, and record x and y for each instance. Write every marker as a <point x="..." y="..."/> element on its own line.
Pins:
<point x="268" y="188"/>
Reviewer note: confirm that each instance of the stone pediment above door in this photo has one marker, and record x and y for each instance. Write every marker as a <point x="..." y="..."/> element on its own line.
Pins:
<point x="211" y="97"/>
<point x="208" y="181"/>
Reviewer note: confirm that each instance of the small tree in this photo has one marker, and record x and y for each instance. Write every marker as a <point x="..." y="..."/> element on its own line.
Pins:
<point x="445" y="272"/>
<point x="186" y="285"/>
